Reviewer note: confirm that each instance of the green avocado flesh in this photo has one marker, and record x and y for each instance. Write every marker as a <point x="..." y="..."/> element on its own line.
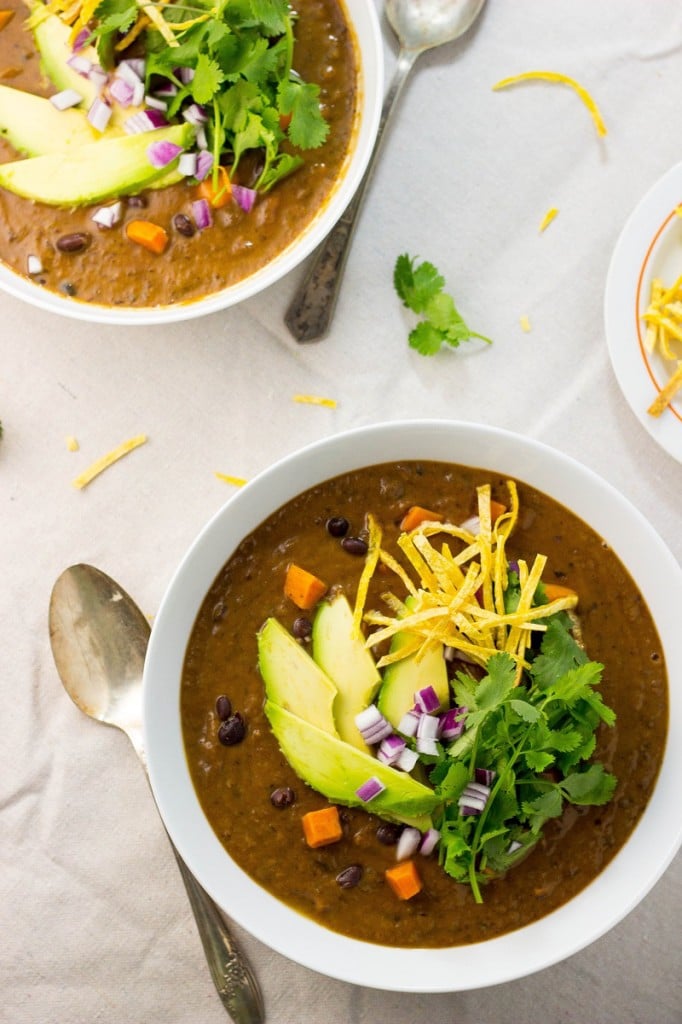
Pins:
<point x="344" y="658"/>
<point x="337" y="770"/>
<point x="403" y="679"/>
<point x="293" y="680"/>
<point x="35" y="127"/>
<point x="97" y="171"/>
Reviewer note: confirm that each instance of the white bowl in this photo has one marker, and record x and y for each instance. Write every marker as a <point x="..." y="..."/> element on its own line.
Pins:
<point x="365" y="25"/>
<point x="614" y="893"/>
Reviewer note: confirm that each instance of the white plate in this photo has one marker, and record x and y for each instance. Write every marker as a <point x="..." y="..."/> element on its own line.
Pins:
<point x="649" y="246"/>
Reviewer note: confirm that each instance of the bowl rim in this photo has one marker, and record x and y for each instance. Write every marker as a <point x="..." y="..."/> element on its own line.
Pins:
<point x="593" y="911"/>
<point x="366" y="28"/>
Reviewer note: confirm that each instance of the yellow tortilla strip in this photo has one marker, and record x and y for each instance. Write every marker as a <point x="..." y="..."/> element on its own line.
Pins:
<point x="371" y="561"/>
<point x="330" y="403"/>
<point x="236" y="481"/>
<point x="666" y="394"/>
<point x="548" y="218"/>
<point x="555" y="76"/>
<point x="107" y="460"/>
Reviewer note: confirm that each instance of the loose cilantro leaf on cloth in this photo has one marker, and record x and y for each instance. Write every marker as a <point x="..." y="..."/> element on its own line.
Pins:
<point x="420" y="286"/>
<point x="536" y="737"/>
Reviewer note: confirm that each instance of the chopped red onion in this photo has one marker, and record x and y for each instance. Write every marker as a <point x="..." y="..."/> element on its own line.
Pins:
<point x="407" y="760"/>
<point x="98" y="77"/>
<point x="136" y="64"/>
<point x="513" y="567"/>
<point x="474" y="798"/>
<point x="195" y="114"/>
<point x="201" y="212"/>
<point x="160" y="154"/>
<point x="185" y="75"/>
<point x="108" y="216"/>
<point x="34" y="265"/>
<point x="202" y="141"/>
<point x="187" y="165"/>
<point x="427" y="700"/>
<point x="478" y="789"/>
<point x="127" y="71"/>
<point x="408" y="843"/>
<point x="429" y="841"/>
<point x="99" y="114"/>
<point x="408" y="723"/>
<point x="514" y="846"/>
<point x="426" y="745"/>
<point x="484" y="776"/>
<point x="452" y="724"/>
<point x="377" y="733"/>
<point x="204" y="164"/>
<point x="391" y="748"/>
<point x="368" y="790"/>
<point x="155" y="118"/>
<point x="368" y="718"/>
<point x="65" y="99"/>
<point x="81" y="39"/>
<point x="81" y="65"/>
<point x="166" y="91"/>
<point x="137" y="123"/>
<point x="155" y="103"/>
<point x="244" y="197"/>
<point x="472" y="524"/>
<point x="467" y="811"/>
<point x="121" y="91"/>
<point x="138" y="94"/>
<point x="427" y="727"/>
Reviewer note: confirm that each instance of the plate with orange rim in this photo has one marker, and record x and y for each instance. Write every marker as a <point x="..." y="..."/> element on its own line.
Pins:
<point x="649" y="248"/>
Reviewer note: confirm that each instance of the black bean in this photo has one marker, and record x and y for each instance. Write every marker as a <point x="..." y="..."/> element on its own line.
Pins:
<point x="68" y="288"/>
<point x="223" y="707"/>
<point x="302" y="628"/>
<point x="354" y="545"/>
<point x="75" y="242"/>
<point x="350" y="876"/>
<point x="388" y="834"/>
<point x="232" y="730"/>
<point x="183" y="225"/>
<point x="283" y="796"/>
<point x="138" y="201"/>
<point x="337" y="526"/>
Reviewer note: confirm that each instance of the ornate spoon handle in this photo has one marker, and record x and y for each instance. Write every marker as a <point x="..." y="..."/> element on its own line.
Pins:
<point x="312" y="308"/>
<point x="229" y="968"/>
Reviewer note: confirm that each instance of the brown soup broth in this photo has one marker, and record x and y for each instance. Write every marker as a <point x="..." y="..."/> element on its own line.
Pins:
<point x="234" y="784"/>
<point x="114" y="271"/>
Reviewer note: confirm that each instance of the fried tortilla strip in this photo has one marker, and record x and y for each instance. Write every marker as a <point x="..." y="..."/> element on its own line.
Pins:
<point x="666" y="394"/>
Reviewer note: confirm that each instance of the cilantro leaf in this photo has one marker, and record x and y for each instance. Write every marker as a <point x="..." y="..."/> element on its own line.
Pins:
<point x="307" y="129"/>
<point x="207" y="80"/>
<point x="594" y="786"/>
<point x="420" y="286"/>
<point x="272" y="14"/>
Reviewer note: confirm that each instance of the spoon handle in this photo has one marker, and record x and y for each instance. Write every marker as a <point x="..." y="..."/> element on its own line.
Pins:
<point x="312" y="308"/>
<point x="230" y="970"/>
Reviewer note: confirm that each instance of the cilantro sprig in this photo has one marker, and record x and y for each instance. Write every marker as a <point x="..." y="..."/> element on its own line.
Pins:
<point x="240" y="53"/>
<point x="420" y="286"/>
<point x="537" y="738"/>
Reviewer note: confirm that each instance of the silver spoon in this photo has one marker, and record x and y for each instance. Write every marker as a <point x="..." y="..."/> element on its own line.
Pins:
<point x="419" y="25"/>
<point x="99" y="640"/>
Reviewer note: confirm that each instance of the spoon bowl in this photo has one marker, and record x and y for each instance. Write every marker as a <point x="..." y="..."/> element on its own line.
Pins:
<point x="99" y="641"/>
<point x="423" y="24"/>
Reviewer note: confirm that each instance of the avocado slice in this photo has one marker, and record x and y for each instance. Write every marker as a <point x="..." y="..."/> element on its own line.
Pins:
<point x="348" y="663"/>
<point x="292" y="679"/>
<point x="35" y="127"/>
<point x="403" y="679"/>
<point x="337" y="769"/>
<point x="100" y="170"/>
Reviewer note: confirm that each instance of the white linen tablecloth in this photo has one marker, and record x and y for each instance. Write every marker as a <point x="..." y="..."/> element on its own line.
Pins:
<point x="94" y="922"/>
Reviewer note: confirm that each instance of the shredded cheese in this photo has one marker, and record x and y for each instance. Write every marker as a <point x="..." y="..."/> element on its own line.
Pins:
<point x="663" y="320"/>
<point x="107" y="460"/>
<point x="555" y="76"/>
<point x="548" y="218"/>
<point x="330" y="403"/>
<point x="72" y="444"/>
<point x="458" y="599"/>
<point x="236" y="481"/>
